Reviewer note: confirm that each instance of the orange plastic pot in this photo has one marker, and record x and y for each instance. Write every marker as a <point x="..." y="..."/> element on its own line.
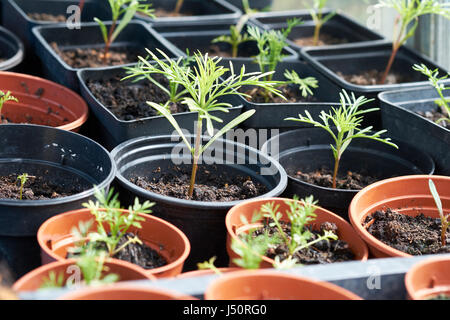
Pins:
<point x="124" y="291"/>
<point x="199" y="273"/>
<point x="33" y="280"/>
<point x="246" y="209"/>
<point x="428" y="278"/>
<point x="273" y="285"/>
<point x="55" y="238"/>
<point x="408" y="195"/>
<point x="42" y="102"/>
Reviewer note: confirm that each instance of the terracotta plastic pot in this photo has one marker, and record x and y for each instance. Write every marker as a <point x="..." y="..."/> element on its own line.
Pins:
<point x="408" y="195"/>
<point x="273" y="285"/>
<point x="235" y="226"/>
<point x="34" y="279"/>
<point x="200" y="273"/>
<point x="42" y="102"/>
<point x="124" y="292"/>
<point x="55" y="237"/>
<point x="428" y="278"/>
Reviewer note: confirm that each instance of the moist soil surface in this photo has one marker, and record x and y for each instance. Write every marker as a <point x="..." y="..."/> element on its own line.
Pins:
<point x="211" y="185"/>
<point x="47" y="17"/>
<point x="127" y="101"/>
<point x="324" y="178"/>
<point x="324" y="39"/>
<point x="36" y="188"/>
<point x="435" y="115"/>
<point x="413" y="235"/>
<point x="293" y="95"/>
<point x="319" y="253"/>
<point x="372" y="77"/>
<point x="162" y="13"/>
<point x="93" y="58"/>
<point x="136" y="253"/>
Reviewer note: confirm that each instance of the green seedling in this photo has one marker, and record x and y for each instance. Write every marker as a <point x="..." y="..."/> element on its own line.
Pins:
<point x="347" y="120"/>
<point x="125" y="10"/>
<point x="209" y="265"/>
<point x="445" y="222"/>
<point x="236" y="36"/>
<point x="107" y="212"/>
<point x="4" y="97"/>
<point x="319" y="19"/>
<point x="435" y="80"/>
<point x="205" y="87"/>
<point x="305" y="85"/>
<point x="407" y="21"/>
<point x="23" y="178"/>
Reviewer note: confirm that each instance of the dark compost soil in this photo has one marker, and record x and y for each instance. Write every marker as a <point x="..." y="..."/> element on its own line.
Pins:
<point x="324" y="178"/>
<point x="324" y="39"/>
<point x="435" y="115"/>
<point x="36" y="188"/>
<point x="127" y="100"/>
<point x="372" y="77"/>
<point x="211" y="184"/>
<point x="414" y="235"/>
<point x="47" y="17"/>
<point x="292" y="95"/>
<point x="93" y="57"/>
<point x="319" y="253"/>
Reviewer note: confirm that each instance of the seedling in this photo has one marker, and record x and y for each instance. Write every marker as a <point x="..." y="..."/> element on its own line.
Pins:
<point x="23" y="178"/>
<point x="175" y="92"/>
<point x="209" y="265"/>
<point x="347" y="120"/>
<point x="433" y="77"/>
<point x="6" y="97"/>
<point x="236" y="36"/>
<point x="407" y="21"/>
<point x="445" y="222"/>
<point x="124" y="9"/>
<point x="205" y="87"/>
<point x="107" y="211"/>
<point x="318" y="17"/>
<point x="305" y="85"/>
<point x="178" y="6"/>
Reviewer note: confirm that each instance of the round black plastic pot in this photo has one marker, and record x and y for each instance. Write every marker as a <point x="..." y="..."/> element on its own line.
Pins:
<point x="360" y="58"/>
<point x="340" y="27"/>
<point x="136" y="35"/>
<point x="309" y="150"/>
<point x="66" y="157"/>
<point x="198" y="38"/>
<point x="202" y="222"/>
<point x="111" y="131"/>
<point x="15" y="18"/>
<point x="12" y="51"/>
<point x="399" y="117"/>
<point x="192" y="12"/>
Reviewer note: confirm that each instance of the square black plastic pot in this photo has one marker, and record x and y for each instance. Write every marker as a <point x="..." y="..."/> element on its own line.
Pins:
<point x="399" y="117"/>
<point x="197" y="37"/>
<point x="202" y="12"/>
<point x="15" y="17"/>
<point x="339" y="26"/>
<point x="360" y="58"/>
<point x="137" y="34"/>
<point x="111" y="131"/>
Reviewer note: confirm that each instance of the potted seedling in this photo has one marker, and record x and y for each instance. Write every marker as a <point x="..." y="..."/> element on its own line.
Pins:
<point x="284" y="233"/>
<point x="319" y="18"/>
<point x="421" y="115"/>
<point x="338" y="142"/>
<point x="132" y="235"/>
<point x="395" y="226"/>
<point x="4" y="97"/>
<point x="182" y="189"/>
<point x="96" y="44"/>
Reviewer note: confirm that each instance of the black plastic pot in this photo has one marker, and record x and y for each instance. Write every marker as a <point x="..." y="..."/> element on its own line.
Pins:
<point x="360" y="58"/>
<point x="202" y="12"/>
<point x="309" y="149"/>
<point x="399" y="117"/>
<point x="12" y="50"/>
<point x="136" y="35"/>
<point x="199" y="36"/>
<point x="112" y="131"/>
<point x="37" y="150"/>
<point x="15" y="18"/>
<point x="202" y="222"/>
<point x="339" y="26"/>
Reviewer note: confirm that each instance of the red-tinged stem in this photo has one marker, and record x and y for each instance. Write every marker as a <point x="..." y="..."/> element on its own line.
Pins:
<point x="81" y="5"/>
<point x="336" y="168"/>
<point x="108" y="43"/>
<point x="198" y="139"/>
<point x="389" y="65"/>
